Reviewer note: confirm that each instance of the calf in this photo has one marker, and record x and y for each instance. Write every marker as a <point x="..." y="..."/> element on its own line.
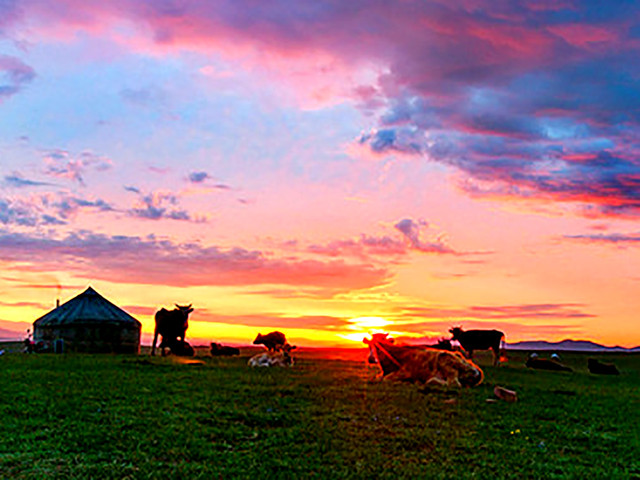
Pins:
<point x="546" y="364"/>
<point x="598" y="368"/>
<point x="274" y="341"/>
<point x="181" y="348"/>
<point x="424" y="365"/>
<point x="472" y="340"/>
<point x="282" y="358"/>
<point x="219" y="350"/>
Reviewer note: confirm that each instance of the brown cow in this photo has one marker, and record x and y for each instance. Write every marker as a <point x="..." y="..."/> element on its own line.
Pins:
<point x="274" y="341"/>
<point x="423" y="365"/>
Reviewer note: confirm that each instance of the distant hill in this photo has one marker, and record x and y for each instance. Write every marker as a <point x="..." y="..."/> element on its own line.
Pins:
<point x="569" y="345"/>
<point x="10" y="335"/>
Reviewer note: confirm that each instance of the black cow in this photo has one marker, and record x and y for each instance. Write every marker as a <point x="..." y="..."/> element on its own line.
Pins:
<point x="546" y="364"/>
<point x="274" y="341"/>
<point x="599" y="368"/>
<point x="479" y="340"/>
<point x="171" y="325"/>
<point x="219" y="350"/>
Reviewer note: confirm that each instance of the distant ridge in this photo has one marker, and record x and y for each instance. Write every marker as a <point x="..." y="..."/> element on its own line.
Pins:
<point x="569" y="345"/>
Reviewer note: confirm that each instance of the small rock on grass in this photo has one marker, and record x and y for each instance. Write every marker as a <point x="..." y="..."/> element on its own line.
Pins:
<point x="505" y="394"/>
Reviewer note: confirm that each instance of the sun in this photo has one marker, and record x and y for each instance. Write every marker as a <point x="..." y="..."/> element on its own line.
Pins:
<point x="362" y="327"/>
<point x="368" y="322"/>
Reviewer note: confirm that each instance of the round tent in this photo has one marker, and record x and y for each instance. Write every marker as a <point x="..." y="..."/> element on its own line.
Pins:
<point x="89" y="323"/>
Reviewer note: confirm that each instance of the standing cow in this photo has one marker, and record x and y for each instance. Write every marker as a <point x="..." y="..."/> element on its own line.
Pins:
<point x="274" y="341"/>
<point x="171" y="325"/>
<point x="479" y="340"/>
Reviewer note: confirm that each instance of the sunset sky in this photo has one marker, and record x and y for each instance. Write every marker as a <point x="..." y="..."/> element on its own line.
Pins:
<point x="325" y="168"/>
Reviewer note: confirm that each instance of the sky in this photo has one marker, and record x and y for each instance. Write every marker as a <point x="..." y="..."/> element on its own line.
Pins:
<point x="325" y="168"/>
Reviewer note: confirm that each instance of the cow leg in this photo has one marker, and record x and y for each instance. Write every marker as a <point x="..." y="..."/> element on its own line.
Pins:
<point x="155" y="339"/>
<point x="496" y="355"/>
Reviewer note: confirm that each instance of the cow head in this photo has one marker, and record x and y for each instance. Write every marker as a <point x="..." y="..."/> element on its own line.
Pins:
<point x="376" y="339"/>
<point x="469" y="374"/>
<point x="185" y="309"/>
<point x="455" y="332"/>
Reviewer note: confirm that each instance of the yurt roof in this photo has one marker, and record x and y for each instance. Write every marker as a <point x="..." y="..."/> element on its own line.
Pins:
<point x="88" y="307"/>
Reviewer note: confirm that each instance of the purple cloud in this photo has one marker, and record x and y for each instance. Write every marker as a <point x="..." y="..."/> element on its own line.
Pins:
<point x="18" y="181"/>
<point x="161" y="205"/>
<point x="14" y="75"/>
<point x="411" y="231"/>
<point x="610" y="238"/>
<point x="62" y="164"/>
<point x="198" y="177"/>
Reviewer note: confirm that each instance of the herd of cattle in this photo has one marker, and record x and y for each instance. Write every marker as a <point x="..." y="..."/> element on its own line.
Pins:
<point x="172" y="325"/>
<point x="439" y="364"/>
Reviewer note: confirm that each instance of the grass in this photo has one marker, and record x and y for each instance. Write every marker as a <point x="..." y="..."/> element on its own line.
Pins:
<point x="103" y="416"/>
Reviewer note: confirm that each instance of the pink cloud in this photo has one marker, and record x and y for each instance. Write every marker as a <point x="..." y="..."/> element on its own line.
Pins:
<point x="586" y="36"/>
<point x="153" y="261"/>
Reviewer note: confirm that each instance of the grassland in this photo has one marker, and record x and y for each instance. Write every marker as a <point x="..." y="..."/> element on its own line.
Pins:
<point x="103" y="416"/>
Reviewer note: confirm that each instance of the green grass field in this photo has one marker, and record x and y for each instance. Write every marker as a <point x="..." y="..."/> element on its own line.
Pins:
<point x="103" y="416"/>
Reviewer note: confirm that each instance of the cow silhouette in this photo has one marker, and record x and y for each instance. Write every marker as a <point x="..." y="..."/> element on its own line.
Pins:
<point x="599" y="368"/>
<point x="172" y="326"/>
<point x="472" y="340"/>
<point x="274" y="341"/>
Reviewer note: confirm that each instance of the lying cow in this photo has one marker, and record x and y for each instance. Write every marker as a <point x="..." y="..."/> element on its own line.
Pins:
<point x="441" y="344"/>
<point x="181" y="348"/>
<point x="423" y="365"/>
<point x="282" y="358"/>
<point x="219" y="350"/>
<point x="598" y="368"/>
<point x="546" y="364"/>
<point x="274" y="341"/>
<point x="472" y="340"/>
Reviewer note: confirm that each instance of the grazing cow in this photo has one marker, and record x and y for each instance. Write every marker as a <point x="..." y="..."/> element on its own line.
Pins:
<point x="171" y="325"/>
<point x="472" y="340"/>
<point x="270" y="358"/>
<point x="424" y="365"/>
<point x="546" y="364"/>
<point x="219" y="350"/>
<point x="598" y="368"/>
<point x="274" y="341"/>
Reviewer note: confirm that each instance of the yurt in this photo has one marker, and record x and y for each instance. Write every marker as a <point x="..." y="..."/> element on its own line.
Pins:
<point x="88" y="323"/>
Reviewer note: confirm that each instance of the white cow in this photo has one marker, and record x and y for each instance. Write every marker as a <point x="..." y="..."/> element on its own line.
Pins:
<point x="282" y="358"/>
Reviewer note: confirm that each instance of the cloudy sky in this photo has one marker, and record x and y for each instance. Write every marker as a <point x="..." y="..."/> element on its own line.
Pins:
<point x="325" y="168"/>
